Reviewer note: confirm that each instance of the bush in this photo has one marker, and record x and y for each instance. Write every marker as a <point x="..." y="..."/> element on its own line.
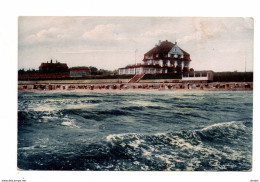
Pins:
<point x="63" y="76"/>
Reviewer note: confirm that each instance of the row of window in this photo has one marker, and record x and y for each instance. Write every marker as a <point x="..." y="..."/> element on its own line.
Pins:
<point x="165" y="55"/>
<point x="139" y="70"/>
<point x="168" y="63"/>
<point x="204" y="74"/>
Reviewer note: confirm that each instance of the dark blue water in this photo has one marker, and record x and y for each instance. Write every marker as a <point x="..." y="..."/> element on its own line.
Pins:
<point x="135" y="131"/>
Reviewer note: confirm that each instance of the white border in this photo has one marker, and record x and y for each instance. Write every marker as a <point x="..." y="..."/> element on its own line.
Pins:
<point x="9" y="12"/>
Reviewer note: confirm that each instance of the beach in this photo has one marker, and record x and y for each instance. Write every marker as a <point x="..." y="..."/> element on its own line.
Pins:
<point x="54" y="85"/>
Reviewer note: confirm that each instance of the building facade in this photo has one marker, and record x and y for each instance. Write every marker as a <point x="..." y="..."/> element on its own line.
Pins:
<point x="198" y="76"/>
<point x="165" y="57"/>
<point x="53" y="67"/>
<point x="142" y="69"/>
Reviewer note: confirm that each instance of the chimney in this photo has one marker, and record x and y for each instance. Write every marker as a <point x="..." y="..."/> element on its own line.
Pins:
<point x="159" y="43"/>
<point x="51" y="60"/>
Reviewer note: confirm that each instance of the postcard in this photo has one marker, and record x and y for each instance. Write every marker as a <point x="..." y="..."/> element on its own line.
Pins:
<point x="135" y="93"/>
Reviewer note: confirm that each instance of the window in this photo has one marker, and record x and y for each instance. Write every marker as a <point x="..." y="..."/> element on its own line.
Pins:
<point x="191" y="75"/>
<point x="186" y="63"/>
<point x="204" y="74"/>
<point x="197" y="74"/>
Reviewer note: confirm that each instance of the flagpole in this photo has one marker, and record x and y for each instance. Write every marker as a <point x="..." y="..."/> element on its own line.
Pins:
<point x="135" y="55"/>
<point x="245" y="63"/>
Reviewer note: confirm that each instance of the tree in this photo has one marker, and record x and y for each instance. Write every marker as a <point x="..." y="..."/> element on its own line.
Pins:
<point x="93" y="70"/>
<point x="20" y="71"/>
<point x="115" y="72"/>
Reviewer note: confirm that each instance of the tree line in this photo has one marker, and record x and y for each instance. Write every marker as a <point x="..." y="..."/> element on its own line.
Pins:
<point x="93" y="71"/>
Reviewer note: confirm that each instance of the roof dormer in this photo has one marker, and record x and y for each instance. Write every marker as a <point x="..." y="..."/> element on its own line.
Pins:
<point x="176" y="50"/>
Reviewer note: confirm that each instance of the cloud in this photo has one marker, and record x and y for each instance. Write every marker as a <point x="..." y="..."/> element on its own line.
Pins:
<point x="204" y="29"/>
<point x="104" y="32"/>
<point x="49" y="34"/>
<point x="95" y="40"/>
<point x="185" y="30"/>
<point x="44" y="35"/>
<point x="157" y="32"/>
<point x="91" y="51"/>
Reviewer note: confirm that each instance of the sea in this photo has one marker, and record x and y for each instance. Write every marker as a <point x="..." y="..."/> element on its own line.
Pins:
<point x="135" y="131"/>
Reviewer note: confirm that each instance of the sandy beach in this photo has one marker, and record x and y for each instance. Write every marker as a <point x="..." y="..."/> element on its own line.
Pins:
<point x="133" y="87"/>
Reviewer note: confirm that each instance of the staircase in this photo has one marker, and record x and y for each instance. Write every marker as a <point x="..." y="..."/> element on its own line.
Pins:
<point x="136" y="78"/>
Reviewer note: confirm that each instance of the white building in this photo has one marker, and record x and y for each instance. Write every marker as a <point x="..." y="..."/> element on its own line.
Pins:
<point x="198" y="76"/>
<point x="165" y="57"/>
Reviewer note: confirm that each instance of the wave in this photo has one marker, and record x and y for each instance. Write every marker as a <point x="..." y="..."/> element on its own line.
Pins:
<point x="143" y="103"/>
<point x="223" y="132"/>
<point x="173" y="150"/>
<point x="70" y="124"/>
<point x="83" y="131"/>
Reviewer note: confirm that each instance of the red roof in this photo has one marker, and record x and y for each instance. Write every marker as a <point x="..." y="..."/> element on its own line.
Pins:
<point x="54" y="65"/>
<point x="163" y="49"/>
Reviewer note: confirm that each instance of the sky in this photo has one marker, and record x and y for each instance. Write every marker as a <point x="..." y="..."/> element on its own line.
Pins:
<point x="218" y="44"/>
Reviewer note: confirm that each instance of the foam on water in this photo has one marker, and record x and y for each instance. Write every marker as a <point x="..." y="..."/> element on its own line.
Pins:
<point x="43" y="108"/>
<point x="233" y="124"/>
<point x="177" y="144"/>
<point x="143" y="103"/>
<point x="80" y="106"/>
<point x="69" y="122"/>
<point x="135" y="131"/>
<point x="66" y="123"/>
<point x="114" y="136"/>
